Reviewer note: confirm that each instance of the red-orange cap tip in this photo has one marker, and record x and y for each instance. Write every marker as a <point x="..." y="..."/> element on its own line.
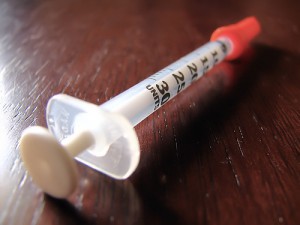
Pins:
<point x="239" y="34"/>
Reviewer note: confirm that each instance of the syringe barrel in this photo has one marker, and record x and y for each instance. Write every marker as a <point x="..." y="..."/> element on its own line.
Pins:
<point x="141" y="100"/>
<point x="116" y="151"/>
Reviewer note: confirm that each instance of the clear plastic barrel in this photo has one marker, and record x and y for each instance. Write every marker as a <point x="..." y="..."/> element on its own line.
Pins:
<point x="116" y="150"/>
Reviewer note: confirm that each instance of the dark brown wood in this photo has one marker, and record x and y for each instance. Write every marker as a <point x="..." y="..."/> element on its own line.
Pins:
<point x="214" y="155"/>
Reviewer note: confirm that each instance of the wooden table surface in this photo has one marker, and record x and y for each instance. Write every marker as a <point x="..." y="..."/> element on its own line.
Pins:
<point x="226" y="151"/>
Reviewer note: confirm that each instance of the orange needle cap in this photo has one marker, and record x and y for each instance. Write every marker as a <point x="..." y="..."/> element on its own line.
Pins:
<point x="239" y="34"/>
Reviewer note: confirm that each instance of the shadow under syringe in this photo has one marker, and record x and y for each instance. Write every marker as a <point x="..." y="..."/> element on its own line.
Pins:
<point x="168" y="135"/>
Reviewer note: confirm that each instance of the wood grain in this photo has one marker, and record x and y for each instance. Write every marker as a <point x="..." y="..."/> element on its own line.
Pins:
<point x="226" y="151"/>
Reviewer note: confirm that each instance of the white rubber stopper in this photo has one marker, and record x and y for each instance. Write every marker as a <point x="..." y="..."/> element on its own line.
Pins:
<point x="50" y="163"/>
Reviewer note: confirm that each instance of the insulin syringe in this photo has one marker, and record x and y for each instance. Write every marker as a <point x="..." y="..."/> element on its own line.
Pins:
<point x="103" y="137"/>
